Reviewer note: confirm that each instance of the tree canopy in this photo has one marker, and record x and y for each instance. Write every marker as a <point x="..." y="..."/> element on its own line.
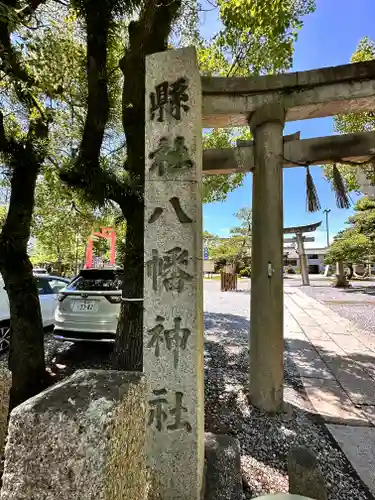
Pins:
<point x="256" y="38"/>
<point x="356" y="243"/>
<point x="237" y="247"/>
<point x="356" y="122"/>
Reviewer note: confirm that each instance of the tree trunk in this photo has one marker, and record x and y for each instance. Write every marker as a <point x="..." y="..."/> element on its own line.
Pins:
<point x="26" y="358"/>
<point x="146" y="36"/>
<point x="128" y="353"/>
<point x="350" y="272"/>
<point x="341" y="281"/>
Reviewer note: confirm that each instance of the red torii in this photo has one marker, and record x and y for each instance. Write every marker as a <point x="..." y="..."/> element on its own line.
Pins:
<point x="109" y="234"/>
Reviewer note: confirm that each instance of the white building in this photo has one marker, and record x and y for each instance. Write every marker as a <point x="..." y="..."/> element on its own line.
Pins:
<point x="366" y="185"/>
<point x="314" y="256"/>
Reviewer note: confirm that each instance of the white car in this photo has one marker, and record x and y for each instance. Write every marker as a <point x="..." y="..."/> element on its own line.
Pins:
<point x="89" y="307"/>
<point x="48" y="289"/>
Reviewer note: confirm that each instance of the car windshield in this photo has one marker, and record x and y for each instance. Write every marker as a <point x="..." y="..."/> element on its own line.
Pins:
<point x="97" y="280"/>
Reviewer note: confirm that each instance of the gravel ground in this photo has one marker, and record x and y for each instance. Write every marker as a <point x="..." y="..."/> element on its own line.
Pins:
<point x="264" y="440"/>
<point x="356" y="303"/>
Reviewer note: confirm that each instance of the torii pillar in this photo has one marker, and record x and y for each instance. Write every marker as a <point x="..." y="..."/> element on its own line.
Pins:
<point x="267" y="304"/>
<point x="302" y="259"/>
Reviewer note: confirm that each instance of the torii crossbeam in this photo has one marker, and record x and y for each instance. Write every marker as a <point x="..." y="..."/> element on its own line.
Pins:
<point x="228" y="102"/>
<point x="359" y="147"/>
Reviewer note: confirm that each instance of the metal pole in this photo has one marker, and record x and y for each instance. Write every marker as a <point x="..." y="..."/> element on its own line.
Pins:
<point x="326" y="211"/>
<point x="77" y="243"/>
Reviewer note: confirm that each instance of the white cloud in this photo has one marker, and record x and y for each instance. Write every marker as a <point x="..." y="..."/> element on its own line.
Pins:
<point x="224" y="232"/>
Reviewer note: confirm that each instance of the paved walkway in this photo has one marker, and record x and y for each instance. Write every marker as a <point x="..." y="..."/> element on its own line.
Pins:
<point x="336" y="361"/>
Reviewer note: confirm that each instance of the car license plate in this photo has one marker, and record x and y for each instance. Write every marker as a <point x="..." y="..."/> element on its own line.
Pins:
<point x="84" y="306"/>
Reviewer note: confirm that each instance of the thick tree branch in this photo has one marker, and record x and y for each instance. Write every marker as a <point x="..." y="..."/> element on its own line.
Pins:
<point x="87" y="173"/>
<point x="10" y="63"/>
<point x="98" y="23"/>
<point x="147" y="35"/>
<point x="30" y="8"/>
<point x="9" y="60"/>
<point x="4" y="143"/>
<point x="106" y="187"/>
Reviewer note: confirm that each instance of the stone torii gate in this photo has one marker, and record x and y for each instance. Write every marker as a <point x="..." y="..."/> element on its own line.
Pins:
<point x="179" y="103"/>
<point x="265" y="103"/>
<point x="299" y="232"/>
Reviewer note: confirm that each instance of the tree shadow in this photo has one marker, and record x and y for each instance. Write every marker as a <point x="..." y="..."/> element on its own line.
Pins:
<point x="68" y="357"/>
<point x="296" y="283"/>
<point x="367" y="290"/>
<point x="346" y="381"/>
<point x="266" y="439"/>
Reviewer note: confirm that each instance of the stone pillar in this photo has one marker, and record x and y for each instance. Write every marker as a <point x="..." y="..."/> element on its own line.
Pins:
<point x="81" y="439"/>
<point x="266" y="336"/>
<point x="305" y="475"/>
<point x="173" y="303"/>
<point x="302" y="260"/>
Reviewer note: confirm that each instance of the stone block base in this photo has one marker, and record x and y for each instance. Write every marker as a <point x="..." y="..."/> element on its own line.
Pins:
<point x="81" y="439"/>
<point x="223" y="479"/>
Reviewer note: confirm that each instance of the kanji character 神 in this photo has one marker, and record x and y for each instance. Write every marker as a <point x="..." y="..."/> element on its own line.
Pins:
<point x="175" y="339"/>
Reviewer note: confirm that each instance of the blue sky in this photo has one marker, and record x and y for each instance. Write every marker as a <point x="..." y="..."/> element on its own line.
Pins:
<point x="328" y="38"/>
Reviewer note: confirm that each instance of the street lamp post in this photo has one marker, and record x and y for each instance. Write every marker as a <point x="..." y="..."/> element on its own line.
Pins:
<point x="327" y="211"/>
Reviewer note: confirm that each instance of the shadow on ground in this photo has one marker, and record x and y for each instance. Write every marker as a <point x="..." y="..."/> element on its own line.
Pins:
<point x="354" y="372"/>
<point x="265" y="440"/>
<point x="69" y="357"/>
<point x="367" y="290"/>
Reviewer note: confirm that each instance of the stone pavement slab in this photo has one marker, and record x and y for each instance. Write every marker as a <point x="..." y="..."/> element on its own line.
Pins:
<point x="358" y="445"/>
<point x="332" y="403"/>
<point x="336" y="361"/>
<point x="340" y="356"/>
<point x="308" y="361"/>
<point x="369" y="412"/>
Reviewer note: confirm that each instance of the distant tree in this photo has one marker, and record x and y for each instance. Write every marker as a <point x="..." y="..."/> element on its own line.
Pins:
<point x="208" y="236"/>
<point x="58" y="220"/>
<point x="349" y="246"/>
<point x="245" y="228"/>
<point x="3" y="214"/>
<point x="237" y="248"/>
<point x="356" y="243"/>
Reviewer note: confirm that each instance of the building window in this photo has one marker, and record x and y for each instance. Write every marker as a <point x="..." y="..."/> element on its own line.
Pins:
<point x="291" y="262"/>
<point x="313" y="256"/>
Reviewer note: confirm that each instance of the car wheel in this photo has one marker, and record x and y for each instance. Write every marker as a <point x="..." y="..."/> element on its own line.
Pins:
<point x="4" y="338"/>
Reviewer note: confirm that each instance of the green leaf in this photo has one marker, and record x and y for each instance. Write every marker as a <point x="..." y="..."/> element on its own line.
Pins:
<point x="355" y="122"/>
